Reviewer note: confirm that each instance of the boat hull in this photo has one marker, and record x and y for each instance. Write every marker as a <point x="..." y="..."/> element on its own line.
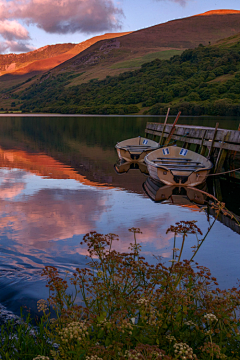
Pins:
<point x="172" y="167"/>
<point x="135" y="149"/>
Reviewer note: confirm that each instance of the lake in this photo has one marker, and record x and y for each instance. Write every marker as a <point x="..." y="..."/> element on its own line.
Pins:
<point x="59" y="179"/>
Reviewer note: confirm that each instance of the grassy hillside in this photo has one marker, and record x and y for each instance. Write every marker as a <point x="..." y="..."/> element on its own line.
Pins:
<point x="204" y="80"/>
<point x="113" y="54"/>
<point x="112" y="57"/>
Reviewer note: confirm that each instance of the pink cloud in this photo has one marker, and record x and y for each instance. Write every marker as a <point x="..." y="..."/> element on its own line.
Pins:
<point x="64" y="16"/>
<point x="13" y="30"/>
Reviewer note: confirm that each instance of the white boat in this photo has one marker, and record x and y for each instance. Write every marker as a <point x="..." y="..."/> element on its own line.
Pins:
<point x="135" y="149"/>
<point x="177" y="166"/>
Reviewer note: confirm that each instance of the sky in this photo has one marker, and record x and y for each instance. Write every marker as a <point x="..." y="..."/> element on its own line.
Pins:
<point x="26" y="25"/>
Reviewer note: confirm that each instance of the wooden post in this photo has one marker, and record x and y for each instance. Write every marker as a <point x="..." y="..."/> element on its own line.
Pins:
<point x="197" y="148"/>
<point x="164" y="125"/>
<point x="213" y="139"/>
<point x="217" y="189"/>
<point x="172" y="130"/>
<point x="202" y="146"/>
<point x="186" y="145"/>
<point x="221" y="154"/>
<point x="234" y="153"/>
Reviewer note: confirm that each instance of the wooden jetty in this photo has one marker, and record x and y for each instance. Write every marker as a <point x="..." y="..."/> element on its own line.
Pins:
<point x="217" y="144"/>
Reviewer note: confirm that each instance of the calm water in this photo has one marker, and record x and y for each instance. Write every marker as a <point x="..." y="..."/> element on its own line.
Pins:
<point x="58" y="182"/>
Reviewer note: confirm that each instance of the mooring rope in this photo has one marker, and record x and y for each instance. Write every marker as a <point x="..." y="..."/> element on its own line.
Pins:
<point x="225" y="172"/>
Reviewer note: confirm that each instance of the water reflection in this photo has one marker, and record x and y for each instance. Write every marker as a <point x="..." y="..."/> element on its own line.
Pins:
<point x="184" y="196"/>
<point x="57" y="182"/>
<point x="124" y="166"/>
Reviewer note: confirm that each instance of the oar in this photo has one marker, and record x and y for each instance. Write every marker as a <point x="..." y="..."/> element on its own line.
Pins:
<point x="172" y="130"/>
<point x="164" y="125"/>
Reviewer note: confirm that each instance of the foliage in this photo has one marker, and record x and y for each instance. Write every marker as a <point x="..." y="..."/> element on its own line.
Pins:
<point x="132" y="310"/>
<point x="205" y="80"/>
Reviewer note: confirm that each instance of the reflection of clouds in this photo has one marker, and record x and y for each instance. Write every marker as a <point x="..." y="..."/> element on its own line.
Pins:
<point x="153" y="238"/>
<point x="11" y="183"/>
<point x="51" y="215"/>
<point x="10" y="190"/>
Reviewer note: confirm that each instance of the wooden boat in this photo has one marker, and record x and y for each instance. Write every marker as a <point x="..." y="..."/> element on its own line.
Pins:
<point x="177" y="166"/>
<point x="135" y="149"/>
<point x="123" y="166"/>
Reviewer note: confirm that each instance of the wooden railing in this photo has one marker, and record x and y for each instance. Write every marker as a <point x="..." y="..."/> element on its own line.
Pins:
<point x="206" y="139"/>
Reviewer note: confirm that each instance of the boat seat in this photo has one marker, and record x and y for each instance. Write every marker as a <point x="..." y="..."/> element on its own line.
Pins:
<point x="175" y="162"/>
<point x="182" y="166"/>
<point x="177" y="159"/>
<point x="136" y="146"/>
<point x="177" y="169"/>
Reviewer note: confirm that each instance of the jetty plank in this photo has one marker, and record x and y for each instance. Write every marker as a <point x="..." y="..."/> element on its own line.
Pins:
<point x="222" y="141"/>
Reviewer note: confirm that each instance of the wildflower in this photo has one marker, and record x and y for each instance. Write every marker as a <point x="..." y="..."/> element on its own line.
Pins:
<point x="76" y="330"/>
<point x="213" y="349"/>
<point x="142" y="301"/>
<point x="133" y="320"/>
<point x="42" y="305"/>
<point x="190" y="323"/>
<point x="41" y="357"/>
<point x="170" y="338"/>
<point x="172" y="261"/>
<point x="211" y="317"/>
<point x="183" y="351"/>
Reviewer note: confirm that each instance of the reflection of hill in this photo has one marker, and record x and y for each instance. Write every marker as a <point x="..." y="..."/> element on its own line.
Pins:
<point x="42" y="165"/>
<point x="89" y="166"/>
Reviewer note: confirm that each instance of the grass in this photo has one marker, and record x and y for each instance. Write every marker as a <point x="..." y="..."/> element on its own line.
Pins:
<point x="130" y="310"/>
<point x="134" y="63"/>
<point x="222" y="78"/>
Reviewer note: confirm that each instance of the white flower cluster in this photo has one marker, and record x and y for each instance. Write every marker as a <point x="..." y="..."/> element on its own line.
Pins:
<point x="41" y="357"/>
<point x="134" y="355"/>
<point x="93" y="357"/>
<point x="170" y="338"/>
<point x="42" y="305"/>
<point x="190" y="323"/>
<point x="184" y="351"/>
<point x="142" y="301"/>
<point x="211" y="317"/>
<point x="76" y="330"/>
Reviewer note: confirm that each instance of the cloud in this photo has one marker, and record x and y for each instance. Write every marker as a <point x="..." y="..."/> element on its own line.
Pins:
<point x="180" y="2"/>
<point x="64" y="16"/>
<point x="15" y="36"/>
<point x="18" y="46"/>
<point x="15" y="47"/>
<point x="3" y="47"/>
<point x="10" y="30"/>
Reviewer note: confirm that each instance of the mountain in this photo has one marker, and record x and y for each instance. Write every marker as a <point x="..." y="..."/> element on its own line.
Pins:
<point x="43" y="59"/>
<point x="114" y="56"/>
<point x="118" y="53"/>
<point x="201" y="81"/>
